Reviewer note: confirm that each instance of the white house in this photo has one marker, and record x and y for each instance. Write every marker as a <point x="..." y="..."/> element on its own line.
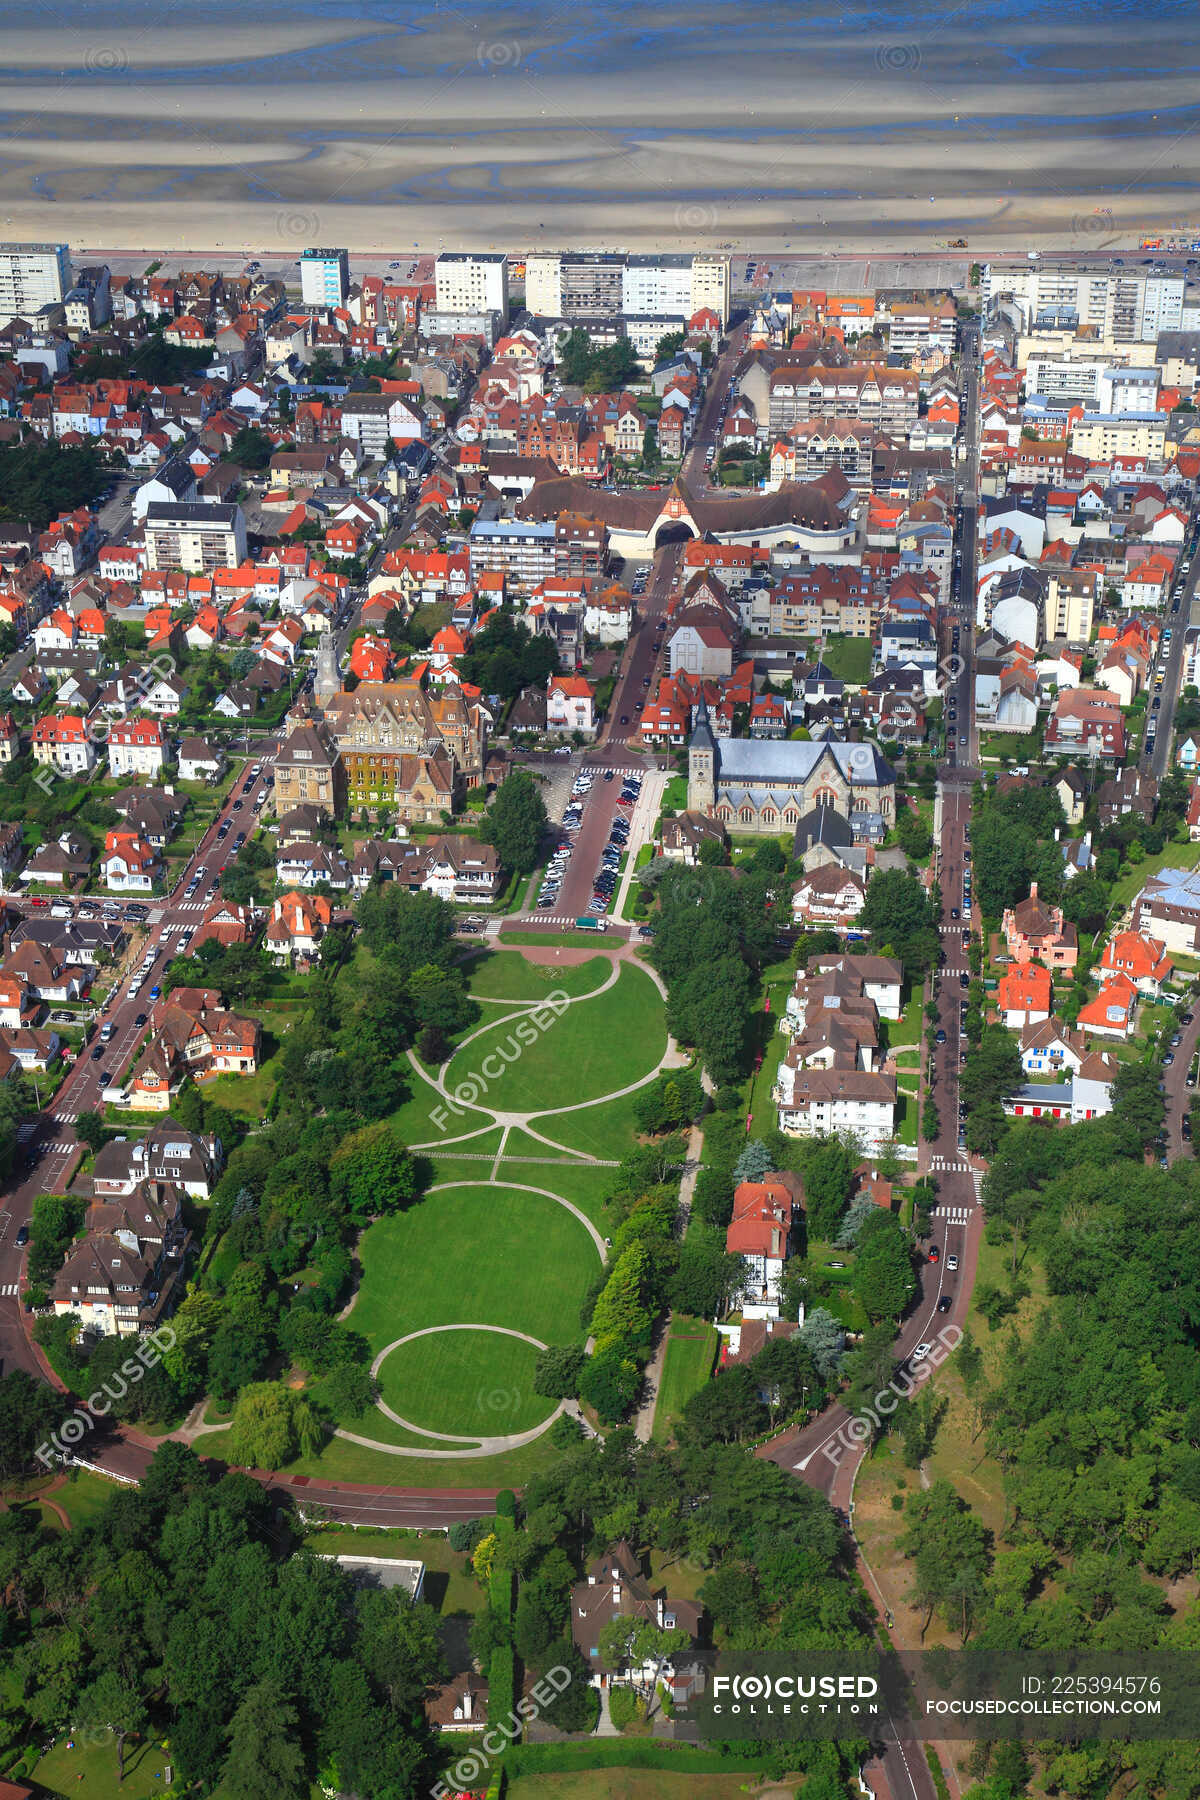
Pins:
<point x="760" y="1232"/>
<point x="129" y="863"/>
<point x="136" y="747"/>
<point x="199" y="761"/>
<point x="570" y="704"/>
<point x="814" y="1102"/>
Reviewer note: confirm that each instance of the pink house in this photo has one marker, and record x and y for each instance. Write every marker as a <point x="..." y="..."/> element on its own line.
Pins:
<point x="1035" y="932"/>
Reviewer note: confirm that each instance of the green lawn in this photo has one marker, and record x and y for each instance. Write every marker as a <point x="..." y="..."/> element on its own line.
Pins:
<point x="691" y="1353"/>
<point x="446" y="1586"/>
<point x="1175" y="856"/>
<point x="475" y="1255"/>
<point x="632" y="1784"/>
<point x="589" y="1050"/>
<point x="848" y="658"/>
<point x="584" y="1185"/>
<point x="429" y="1382"/>
<point x="605" y="1130"/>
<point x="59" y="1770"/>
<point x="506" y="975"/>
<point x="342" y="1461"/>
<point x="413" y="1118"/>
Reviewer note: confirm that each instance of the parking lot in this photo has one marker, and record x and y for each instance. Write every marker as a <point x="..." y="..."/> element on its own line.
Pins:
<point x="581" y="877"/>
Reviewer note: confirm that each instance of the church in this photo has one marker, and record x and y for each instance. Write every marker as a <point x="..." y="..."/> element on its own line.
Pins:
<point x="767" y="785"/>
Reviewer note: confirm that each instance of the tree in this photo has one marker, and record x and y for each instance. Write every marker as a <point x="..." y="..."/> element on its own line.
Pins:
<point x="407" y="931"/>
<point x="620" y="1318"/>
<point x="372" y="1172"/>
<point x="272" y="1425"/>
<point x="251" y="448"/>
<point x="883" y="1276"/>
<point x="611" y="1384"/>
<point x="706" y="1278"/>
<point x="754" y="1162"/>
<point x="265" y="1758"/>
<point x="1137" y="1104"/>
<point x="556" y="1371"/>
<point x="824" y="1338"/>
<point x="90" y="1130"/>
<point x="516" y="821"/>
<point x="951" y="1553"/>
<point x="439" y="999"/>
<point x="113" y="1704"/>
<point x="900" y="918"/>
<point x="828" y="1169"/>
<point x="650" y="456"/>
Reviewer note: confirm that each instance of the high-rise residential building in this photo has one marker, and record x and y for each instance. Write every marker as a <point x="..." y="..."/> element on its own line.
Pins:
<point x="608" y="284"/>
<point x="472" y="281"/>
<point x="324" y="277"/>
<point x="657" y="286"/>
<point x="1049" y="293"/>
<point x="543" y="285"/>
<point x="32" y="276"/>
<point x="710" y="284"/>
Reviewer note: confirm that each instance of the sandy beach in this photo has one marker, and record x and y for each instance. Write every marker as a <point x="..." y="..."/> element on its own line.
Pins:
<point x="511" y="129"/>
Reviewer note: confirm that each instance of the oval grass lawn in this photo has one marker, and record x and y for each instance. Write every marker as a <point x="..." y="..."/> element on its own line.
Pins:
<point x="475" y="1255"/>
<point x="474" y="1383"/>
<point x="592" y="1048"/>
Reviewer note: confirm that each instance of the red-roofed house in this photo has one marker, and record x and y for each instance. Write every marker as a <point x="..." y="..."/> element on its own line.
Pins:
<point x="136" y="747"/>
<point x="1138" y="957"/>
<point x="63" y="742"/>
<point x="129" y="863"/>
<point x="570" y="704"/>
<point x="1112" y="1013"/>
<point x="1035" y="931"/>
<point x="760" y="1231"/>
<point x="1025" y="995"/>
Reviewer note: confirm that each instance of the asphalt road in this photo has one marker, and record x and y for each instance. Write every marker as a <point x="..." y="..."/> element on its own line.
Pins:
<point x="1156" y="751"/>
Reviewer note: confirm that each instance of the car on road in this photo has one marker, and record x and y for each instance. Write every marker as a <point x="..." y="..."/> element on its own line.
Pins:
<point x="935" y="1254"/>
<point x="96" y="1053"/>
<point x="140" y="1020"/>
<point x="921" y="1352"/>
<point x="954" y="912"/>
<point x="22" y="1237"/>
<point x="952" y="1263"/>
<point x="945" y="1303"/>
<point x="940" y="1038"/>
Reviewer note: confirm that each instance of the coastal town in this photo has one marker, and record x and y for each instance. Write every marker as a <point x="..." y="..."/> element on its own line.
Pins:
<point x="601" y="861"/>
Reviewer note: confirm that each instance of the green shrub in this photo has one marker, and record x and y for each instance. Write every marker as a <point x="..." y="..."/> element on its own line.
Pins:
<point x="625" y="1708"/>
<point x="501" y="1685"/>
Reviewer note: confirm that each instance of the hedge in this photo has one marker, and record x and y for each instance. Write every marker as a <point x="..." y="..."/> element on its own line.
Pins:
<point x="502" y="1681"/>
<point x="630" y="1753"/>
<point x="936" y="1770"/>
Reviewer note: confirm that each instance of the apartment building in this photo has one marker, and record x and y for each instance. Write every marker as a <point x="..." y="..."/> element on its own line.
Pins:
<point x="606" y="284"/>
<point x="870" y="392"/>
<point x="1065" y="293"/>
<point x="1101" y="436"/>
<point x="1071" y="604"/>
<point x="523" y="550"/>
<point x="923" y="330"/>
<point x="197" y="537"/>
<point x="324" y="277"/>
<point x="32" y="276"/>
<point x="471" y="281"/>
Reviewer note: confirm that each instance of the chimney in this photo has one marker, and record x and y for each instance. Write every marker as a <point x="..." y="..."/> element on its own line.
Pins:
<point x="1033" y="885"/>
<point x="776" y="1243"/>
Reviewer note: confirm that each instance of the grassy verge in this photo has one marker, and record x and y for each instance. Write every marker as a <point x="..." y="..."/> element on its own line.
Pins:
<point x="691" y="1352"/>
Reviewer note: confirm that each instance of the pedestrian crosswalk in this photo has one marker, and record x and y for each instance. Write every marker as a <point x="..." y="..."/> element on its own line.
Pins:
<point x="8" y="1291"/>
<point x="549" y="918"/>
<point x="950" y="1165"/>
<point x="952" y="1215"/>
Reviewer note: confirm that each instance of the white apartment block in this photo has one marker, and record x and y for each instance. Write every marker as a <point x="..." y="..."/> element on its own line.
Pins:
<point x="472" y="281"/>
<point x="324" y="277"/>
<point x="524" y="550"/>
<point x="32" y="276"/>
<point x="1093" y="383"/>
<point x="543" y="285"/>
<point x="199" y="536"/>
<point x="606" y="285"/>
<point x="711" y="283"/>
<point x="1071" y="605"/>
<point x="1126" y="304"/>
<point x="657" y="285"/>
<point x="1101" y="436"/>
